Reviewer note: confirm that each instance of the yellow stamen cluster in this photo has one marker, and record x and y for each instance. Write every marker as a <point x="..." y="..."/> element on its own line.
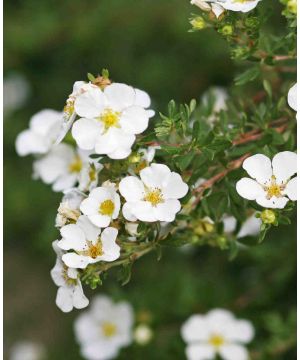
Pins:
<point x="273" y="189"/>
<point x="109" y="329"/>
<point x="107" y="207"/>
<point x="216" y="340"/>
<point x="76" y="165"/>
<point x="154" y="197"/>
<point x="69" y="107"/>
<point x="110" y="118"/>
<point x="95" y="250"/>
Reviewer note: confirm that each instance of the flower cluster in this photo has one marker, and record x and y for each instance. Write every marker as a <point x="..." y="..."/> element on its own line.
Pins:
<point x="104" y="119"/>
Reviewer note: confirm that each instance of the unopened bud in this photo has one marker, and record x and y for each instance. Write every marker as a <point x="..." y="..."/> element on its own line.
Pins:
<point x="292" y="6"/>
<point x="143" y="334"/>
<point x="198" y="23"/>
<point x="268" y="216"/>
<point x="227" y="30"/>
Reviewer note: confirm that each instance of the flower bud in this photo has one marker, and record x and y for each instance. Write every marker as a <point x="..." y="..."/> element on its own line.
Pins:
<point x="143" y="334"/>
<point x="198" y="23"/>
<point x="226" y="30"/>
<point x="268" y="216"/>
<point x="292" y="6"/>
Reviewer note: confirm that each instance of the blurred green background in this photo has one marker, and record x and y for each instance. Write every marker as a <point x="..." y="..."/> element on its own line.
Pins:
<point x="144" y="43"/>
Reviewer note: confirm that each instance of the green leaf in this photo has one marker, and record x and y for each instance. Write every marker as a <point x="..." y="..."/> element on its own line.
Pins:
<point x="91" y="77"/>
<point x="247" y="76"/>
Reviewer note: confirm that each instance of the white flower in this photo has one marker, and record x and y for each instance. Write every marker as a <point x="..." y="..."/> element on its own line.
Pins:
<point x="89" y="246"/>
<point x="69" y="208"/>
<point x="43" y="131"/>
<point x="251" y="227"/>
<point x="292" y="97"/>
<point x="69" y="294"/>
<point x="155" y="196"/>
<point x="240" y="5"/>
<point x="101" y="206"/>
<point x="27" y="350"/>
<point x="16" y="90"/>
<point x="143" y="334"/>
<point x="220" y="96"/>
<point x="214" y="6"/>
<point x="104" y="329"/>
<point x="64" y="167"/>
<point x="217" y="332"/>
<point x="272" y="187"/>
<point x="79" y="87"/>
<point x="110" y="119"/>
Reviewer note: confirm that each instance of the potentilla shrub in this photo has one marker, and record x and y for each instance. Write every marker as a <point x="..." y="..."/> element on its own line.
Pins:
<point x="220" y="173"/>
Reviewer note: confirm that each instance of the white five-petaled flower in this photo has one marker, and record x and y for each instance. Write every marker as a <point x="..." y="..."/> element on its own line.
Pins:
<point x="79" y="87"/>
<point x="69" y="208"/>
<point x="155" y="196"/>
<point x="239" y="5"/>
<point x="292" y="97"/>
<point x="69" y="294"/>
<point x="214" y="6"/>
<point x="27" y="350"/>
<point x="104" y="329"/>
<point x="44" y="128"/>
<point x="217" y="332"/>
<point x="101" y="206"/>
<point x="110" y="119"/>
<point x="88" y="243"/>
<point x="218" y="6"/>
<point x="273" y="186"/>
<point x="64" y="167"/>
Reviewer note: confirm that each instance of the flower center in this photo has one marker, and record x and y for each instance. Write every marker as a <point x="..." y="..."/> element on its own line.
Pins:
<point x="95" y="250"/>
<point x="109" y="329"/>
<point x="216" y="340"/>
<point x="76" y="165"/>
<point x="67" y="279"/>
<point x="107" y="207"/>
<point x="69" y="107"/>
<point x="273" y="189"/>
<point x="110" y="118"/>
<point x="154" y="197"/>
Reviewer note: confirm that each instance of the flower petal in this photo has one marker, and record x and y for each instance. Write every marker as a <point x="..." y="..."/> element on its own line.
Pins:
<point x="131" y="188"/>
<point x="144" y="211"/>
<point x="251" y="227"/>
<point x="72" y="238"/>
<point x="155" y="175"/>
<point x="80" y="301"/>
<point x="200" y="352"/>
<point x="134" y="120"/>
<point x="86" y="133"/>
<point x="90" y="104"/>
<point x="291" y="189"/>
<point x="28" y="142"/>
<point x="217" y="9"/>
<point x="142" y="98"/>
<point x="249" y="189"/>
<point x="292" y="97"/>
<point x="241" y="331"/>
<point x="259" y="168"/>
<point x="75" y="261"/>
<point x="284" y="165"/>
<point x="100" y="220"/>
<point x="65" y="182"/>
<point x="91" y="231"/>
<point x="244" y="6"/>
<point x="195" y="329"/>
<point x="64" y="299"/>
<point x="273" y="203"/>
<point x="89" y="206"/>
<point x="167" y="210"/>
<point x="174" y="188"/>
<point x="110" y="248"/>
<point x="233" y="352"/>
<point x="127" y="211"/>
<point x="119" y="96"/>
<point x="114" y="139"/>
<point x="121" y="153"/>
